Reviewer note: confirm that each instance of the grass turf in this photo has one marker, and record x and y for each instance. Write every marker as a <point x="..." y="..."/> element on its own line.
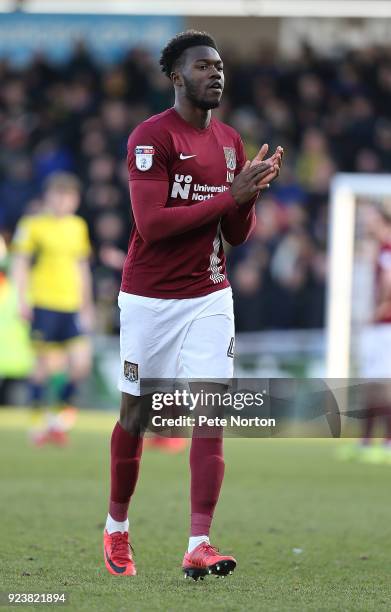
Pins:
<point x="309" y="533"/>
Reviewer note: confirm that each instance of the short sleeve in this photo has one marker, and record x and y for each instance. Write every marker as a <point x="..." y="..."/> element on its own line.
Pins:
<point x="24" y="241"/>
<point x="148" y="153"/>
<point x="84" y="247"/>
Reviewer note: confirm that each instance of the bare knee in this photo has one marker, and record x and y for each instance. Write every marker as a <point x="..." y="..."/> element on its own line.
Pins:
<point x="79" y="361"/>
<point x="134" y="413"/>
<point x="41" y="369"/>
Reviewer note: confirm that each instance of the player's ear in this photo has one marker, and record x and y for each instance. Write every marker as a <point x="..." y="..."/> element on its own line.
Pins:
<point x="176" y="78"/>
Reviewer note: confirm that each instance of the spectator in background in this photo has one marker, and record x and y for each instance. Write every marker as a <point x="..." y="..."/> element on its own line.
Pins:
<point x="330" y="114"/>
<point x="16" y="191"/>
<point x="15" y="351"/>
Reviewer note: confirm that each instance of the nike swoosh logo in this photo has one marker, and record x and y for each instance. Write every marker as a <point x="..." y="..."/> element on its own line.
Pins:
<point x="186" y="156"/>
<point x="116" y="568"/>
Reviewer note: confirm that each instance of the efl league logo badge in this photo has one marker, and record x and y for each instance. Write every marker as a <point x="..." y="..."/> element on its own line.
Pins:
<point x="131" y="371"/>
<point x="144" y="157"/>
<point x="230" y="157"/>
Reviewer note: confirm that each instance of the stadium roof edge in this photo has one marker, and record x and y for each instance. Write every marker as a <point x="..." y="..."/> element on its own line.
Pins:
<point x="233" y="8"/>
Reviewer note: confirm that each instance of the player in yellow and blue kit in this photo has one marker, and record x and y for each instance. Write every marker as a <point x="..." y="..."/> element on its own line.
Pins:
<point x="53" y="280"/>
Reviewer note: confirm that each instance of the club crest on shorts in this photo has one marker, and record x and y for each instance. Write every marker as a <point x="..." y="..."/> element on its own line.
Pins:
<point x="131" y="371"/>
<point x="144" y="157"/>
<point x="230" y="157"/>
<point x="231" y="348"/>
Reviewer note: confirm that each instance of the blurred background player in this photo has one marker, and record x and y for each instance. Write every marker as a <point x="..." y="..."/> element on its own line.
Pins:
<point x="52" y="276"/>
<point x="375" y="350"/>
<point x="374" y="341"/>
<point x="15" y="347"/>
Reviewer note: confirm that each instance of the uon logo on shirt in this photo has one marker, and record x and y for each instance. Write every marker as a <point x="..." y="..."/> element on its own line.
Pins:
<point x="144" y="157"/>
<point x="181" y="186"/>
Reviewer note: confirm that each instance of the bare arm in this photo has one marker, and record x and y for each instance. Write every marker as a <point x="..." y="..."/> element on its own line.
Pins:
<point x="20" y="272"/>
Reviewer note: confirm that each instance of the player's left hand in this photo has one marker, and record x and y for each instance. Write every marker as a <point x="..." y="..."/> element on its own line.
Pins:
<point x="275" y="160"/>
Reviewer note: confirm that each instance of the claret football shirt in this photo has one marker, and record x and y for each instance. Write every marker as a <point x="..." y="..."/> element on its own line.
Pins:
<point x="186" y="167"/>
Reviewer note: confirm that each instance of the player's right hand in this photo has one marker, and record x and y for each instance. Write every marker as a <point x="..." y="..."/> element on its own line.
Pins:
<point x="246" y="183"/>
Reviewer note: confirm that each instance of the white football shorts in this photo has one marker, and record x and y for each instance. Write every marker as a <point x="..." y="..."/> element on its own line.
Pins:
<point x="190" y="338"/>
<point x="375" y="351"/>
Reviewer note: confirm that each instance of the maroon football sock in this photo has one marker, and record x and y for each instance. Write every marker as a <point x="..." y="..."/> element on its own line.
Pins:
<point x="125" y="462"/>
<point x="207" y="473"/>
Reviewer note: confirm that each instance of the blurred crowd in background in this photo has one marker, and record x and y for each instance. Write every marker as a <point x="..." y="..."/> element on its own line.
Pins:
<point x="329" y="115"/>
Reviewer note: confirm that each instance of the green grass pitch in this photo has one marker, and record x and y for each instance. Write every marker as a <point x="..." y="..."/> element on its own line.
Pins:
<point x="309" y="533"/>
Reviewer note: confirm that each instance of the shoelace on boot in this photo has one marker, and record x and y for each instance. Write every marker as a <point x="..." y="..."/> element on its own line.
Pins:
<point x="207" y="549"/>
<point x="121" y="548"/>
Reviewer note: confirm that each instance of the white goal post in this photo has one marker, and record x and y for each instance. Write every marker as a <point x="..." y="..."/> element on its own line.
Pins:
<point x="345" y="189"/>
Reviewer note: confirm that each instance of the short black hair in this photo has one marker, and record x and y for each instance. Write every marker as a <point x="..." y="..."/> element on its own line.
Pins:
<point x="177" y="45"/>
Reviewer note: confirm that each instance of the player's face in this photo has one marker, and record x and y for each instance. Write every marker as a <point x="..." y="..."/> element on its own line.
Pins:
<point x="203" y="77"/>
<point x="62" y="202"/>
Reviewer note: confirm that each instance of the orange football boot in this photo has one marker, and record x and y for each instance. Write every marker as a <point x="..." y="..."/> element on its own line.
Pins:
<point x="50" y="436"/>
<point x="118" y="554"/>
<point x="167" y="445"/>
<point x="206" y="559"/>
<point x="58" y="437"/>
